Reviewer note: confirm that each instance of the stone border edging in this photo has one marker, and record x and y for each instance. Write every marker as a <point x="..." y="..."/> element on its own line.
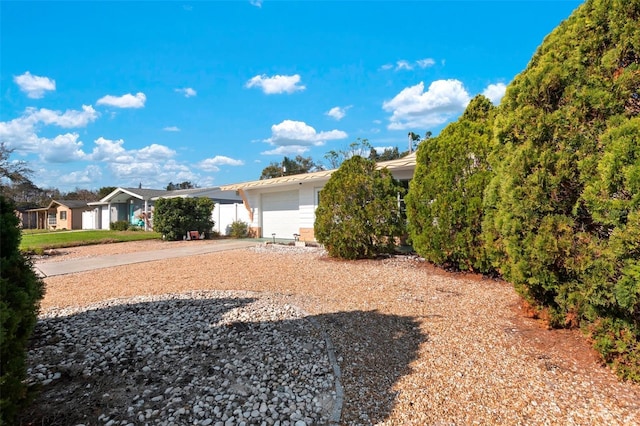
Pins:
<point x="337" y="409"/>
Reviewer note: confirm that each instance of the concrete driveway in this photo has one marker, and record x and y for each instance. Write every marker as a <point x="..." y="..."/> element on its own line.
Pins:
<point x="50" y="269"/>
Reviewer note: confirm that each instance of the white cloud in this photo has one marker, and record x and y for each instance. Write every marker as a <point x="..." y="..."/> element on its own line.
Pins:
<point x="21" y="133"/>
<point x="295" y="137"/>
<point x="61" y="149"/>
<point x="425" y="63"/>
<point x="413" y="108"/>
<point x="403" y="65"/>
<point x="68" y="119"/>
<point x="151" y="174"/>
<point x="276" y="84"/>
<point x="34" y="86"/>
<point x="256" y="3"/>
<point x="338" y="113"/>
<point x="187" y="92"/>
<point x="155" y="152"/>
<point x="495" y="92"/>
<point x="110" y="150"/>
<point x="87" y="176"/>
<point x="211" y="164"/>
<point x="287" y="150"/>
<point x="124" y="101"/>
<point x="171" y="129"/>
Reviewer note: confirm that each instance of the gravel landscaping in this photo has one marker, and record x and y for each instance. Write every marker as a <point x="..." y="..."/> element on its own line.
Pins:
<point x="279" y="335"/>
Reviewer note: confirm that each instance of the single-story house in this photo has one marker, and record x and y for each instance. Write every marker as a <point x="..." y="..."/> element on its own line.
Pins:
<point x="136" y="206"/>
<point x="58" y="215"/>
<point x="284" y="207"/>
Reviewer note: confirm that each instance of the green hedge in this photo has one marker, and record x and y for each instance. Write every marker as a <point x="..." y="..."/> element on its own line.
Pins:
<point x="20" y="293"/>
<point x="174" y="217"/>
<point x="358" y="215"/>
<point x="444" y="203"/>
<point x="561" y="212"/>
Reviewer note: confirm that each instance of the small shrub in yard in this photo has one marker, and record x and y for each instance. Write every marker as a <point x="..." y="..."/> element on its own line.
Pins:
<point x="20" y="293"/>
<point x="121" y="225"/>
<point x="358" y="215"/>
<point x="174" y="217"/>
<point x="239" y="229"/>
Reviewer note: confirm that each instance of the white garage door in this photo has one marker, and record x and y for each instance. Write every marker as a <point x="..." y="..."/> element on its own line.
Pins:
<point x="89" y="219"/>
<point x="280" y="214"/>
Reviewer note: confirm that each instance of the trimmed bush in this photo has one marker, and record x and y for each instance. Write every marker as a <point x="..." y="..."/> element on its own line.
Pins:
<point x="174" y="217"/>
<point x="239" y="229"/>
<point x="20" y="293"/>
<point x="120" y="225"/>
<point x="444" y="203"/>
<point x="358" y="215"/>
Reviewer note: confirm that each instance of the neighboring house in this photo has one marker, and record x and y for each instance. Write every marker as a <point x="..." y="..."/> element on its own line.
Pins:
<point x="285" y="207"/>
<point x="136" y="205"/>
<point x="59" y="215"/>
<point x="28" y="218"/>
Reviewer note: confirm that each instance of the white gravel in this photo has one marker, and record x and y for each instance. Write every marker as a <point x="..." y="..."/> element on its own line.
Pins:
<point x="201" y="358"/>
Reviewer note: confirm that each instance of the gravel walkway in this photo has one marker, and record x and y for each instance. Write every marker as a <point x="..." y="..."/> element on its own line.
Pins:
<point x="414" y="346"/>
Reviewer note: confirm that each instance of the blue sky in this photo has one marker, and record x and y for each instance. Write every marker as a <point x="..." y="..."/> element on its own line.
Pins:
<point x="121" y="93"/>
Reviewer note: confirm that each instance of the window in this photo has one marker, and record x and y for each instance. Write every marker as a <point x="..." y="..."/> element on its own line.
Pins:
<point x="63" y="215"/>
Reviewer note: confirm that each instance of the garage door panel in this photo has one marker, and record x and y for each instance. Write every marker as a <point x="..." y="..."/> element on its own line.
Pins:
<point x="280" y="214"/>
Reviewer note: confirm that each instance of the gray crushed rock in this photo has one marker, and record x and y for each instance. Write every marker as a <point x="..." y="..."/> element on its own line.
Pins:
<point x="200" y="358"/>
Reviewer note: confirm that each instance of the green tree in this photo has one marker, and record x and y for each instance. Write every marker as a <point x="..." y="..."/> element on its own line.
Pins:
<point x="12" y="172"/>
<point x="105" y="190"/>
<point x="358" y="215"/>
<point x="174" y="217"/>
<point x="360" y="147"/>
<point x="444" y="203"/>
<point x="182" y="185"/>
<point x="387" y="154"/>
<point x="81" y="194"/>
<point x="290" y="166"/>
<point x="561" y="214"/>
<point x="20" y="293"/>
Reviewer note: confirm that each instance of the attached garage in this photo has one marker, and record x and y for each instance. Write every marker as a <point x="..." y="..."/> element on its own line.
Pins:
<point x="280" y="214"/>
<point x="90" y="219"/>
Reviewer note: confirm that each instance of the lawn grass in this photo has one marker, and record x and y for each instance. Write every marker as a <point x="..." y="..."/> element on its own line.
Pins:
<point x="38" y="242"/>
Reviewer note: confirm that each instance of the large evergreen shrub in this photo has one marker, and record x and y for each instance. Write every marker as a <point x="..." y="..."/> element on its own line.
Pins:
<point x="20" y="293"/>
<point x="174" y="217"/>
<point x="561" y="214"/>
<point x="444" y="203"/>
<point x="358" y="215"/>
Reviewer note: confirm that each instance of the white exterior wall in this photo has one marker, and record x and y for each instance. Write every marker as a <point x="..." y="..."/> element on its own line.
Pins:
<point x="225" y="214"/>
<point x="308" y="204"/>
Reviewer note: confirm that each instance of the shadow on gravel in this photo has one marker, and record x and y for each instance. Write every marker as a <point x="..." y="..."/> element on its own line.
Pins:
<point x="377" y="350"/>
<point x="207" y="358"/>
